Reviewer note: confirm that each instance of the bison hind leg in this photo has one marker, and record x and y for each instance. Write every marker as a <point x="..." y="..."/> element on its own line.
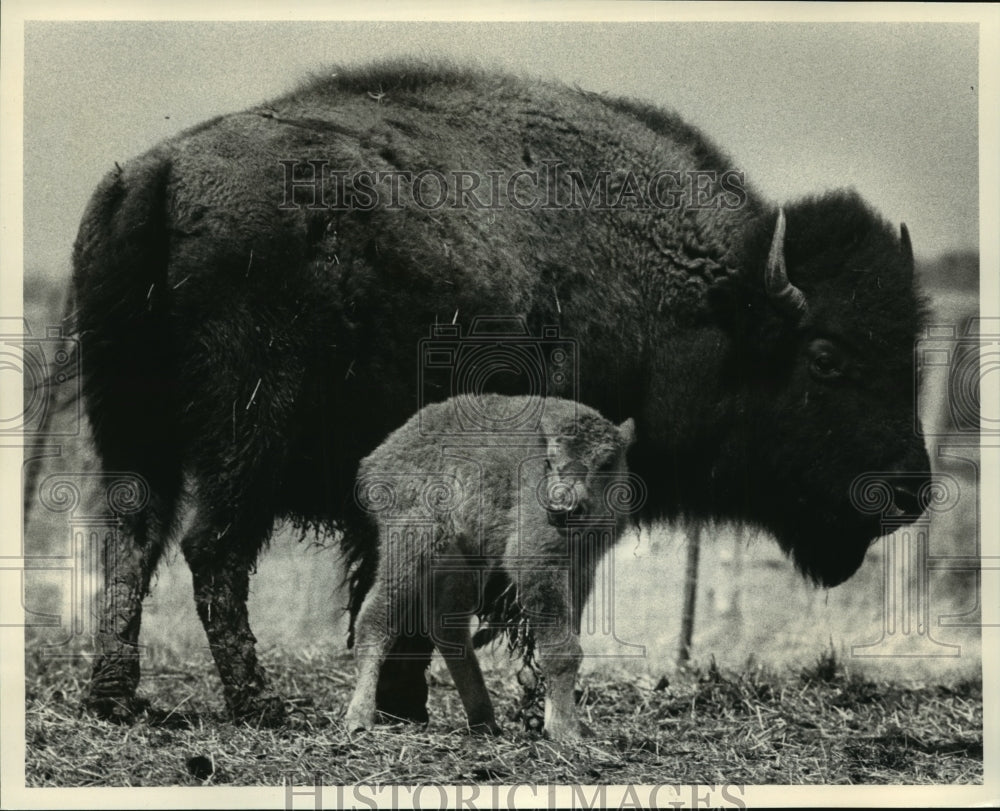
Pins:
<point x="220" y="555"/>
<point x="130" y="554"/>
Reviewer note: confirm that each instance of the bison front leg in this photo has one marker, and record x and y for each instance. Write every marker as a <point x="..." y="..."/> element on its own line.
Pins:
<point x="402" y="684"/>
<point x="221" y="583"/>
<point x="130" y="555"/>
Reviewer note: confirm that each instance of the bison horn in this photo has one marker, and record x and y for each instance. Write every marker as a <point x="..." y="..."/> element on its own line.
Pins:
<point x="785" y="296"/>
<point x="906" y="245"/>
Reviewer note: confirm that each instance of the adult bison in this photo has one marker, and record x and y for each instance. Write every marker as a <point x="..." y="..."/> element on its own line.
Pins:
<point x="251" y="296"/>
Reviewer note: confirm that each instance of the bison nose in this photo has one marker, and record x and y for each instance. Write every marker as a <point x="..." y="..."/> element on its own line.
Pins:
<point x="910" y="494"/>
<point x="907" y="501"/>
<point x="557" y="518"/>
<point x="911" y="484"/>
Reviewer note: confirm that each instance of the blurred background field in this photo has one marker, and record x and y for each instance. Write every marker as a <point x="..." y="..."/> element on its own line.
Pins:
<point x="750" y="602"/>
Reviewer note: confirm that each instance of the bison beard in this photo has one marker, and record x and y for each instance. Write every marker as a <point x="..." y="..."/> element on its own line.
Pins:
<point x="246" y="355"/>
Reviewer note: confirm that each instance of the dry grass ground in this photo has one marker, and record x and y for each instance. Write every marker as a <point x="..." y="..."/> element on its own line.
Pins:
<point x="816" y="725"/>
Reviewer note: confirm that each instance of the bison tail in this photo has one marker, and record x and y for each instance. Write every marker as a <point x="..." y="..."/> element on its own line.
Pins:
<point x="359" y="549"/>
<point x="120" y="262"/>
<point x="485" y="635"/>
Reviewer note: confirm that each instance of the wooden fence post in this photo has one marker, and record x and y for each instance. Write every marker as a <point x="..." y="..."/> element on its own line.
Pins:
<point x="690" y="593"/>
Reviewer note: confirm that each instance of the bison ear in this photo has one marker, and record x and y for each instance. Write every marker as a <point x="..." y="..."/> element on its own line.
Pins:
<point x="627" y="432"/>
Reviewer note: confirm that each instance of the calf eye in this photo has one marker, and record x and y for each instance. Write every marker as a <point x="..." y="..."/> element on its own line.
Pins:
<point x="825" y="360"/>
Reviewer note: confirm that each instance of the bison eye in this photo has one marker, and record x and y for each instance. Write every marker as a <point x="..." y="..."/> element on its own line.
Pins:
<point x="825" y="360"/>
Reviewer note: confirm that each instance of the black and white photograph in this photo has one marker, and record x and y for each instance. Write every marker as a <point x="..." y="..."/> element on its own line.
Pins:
<point x="568" y="406"/>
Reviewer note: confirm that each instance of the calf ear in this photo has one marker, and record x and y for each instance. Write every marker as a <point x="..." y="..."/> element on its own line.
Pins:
<point x="554" y="453"/>
<point x="627" y="432"/>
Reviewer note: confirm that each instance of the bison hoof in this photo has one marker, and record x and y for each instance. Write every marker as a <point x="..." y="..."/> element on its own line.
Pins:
<point x="407" y="714"/>
<point x="388" y="719"/>
<point x="485" y="728"/>
<point x="262" y="712"/>
<point x="116" y="709"/>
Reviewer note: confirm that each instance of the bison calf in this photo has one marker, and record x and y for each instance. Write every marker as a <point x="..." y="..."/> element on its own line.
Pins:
<point x="476" y="499"/>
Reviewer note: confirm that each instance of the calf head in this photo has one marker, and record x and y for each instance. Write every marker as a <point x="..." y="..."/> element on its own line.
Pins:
<point x="586" y="470"/>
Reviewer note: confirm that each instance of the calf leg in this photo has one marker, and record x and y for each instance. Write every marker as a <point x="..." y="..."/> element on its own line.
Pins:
<point x="560" y="663"/>
<point x="130" y="555"/>
<point x="453" y="597"/>
<point x="221" y="574"/>
<point x="402" y="687"/>
<point x="456" y="648"/>
<point x="545" y="599"/>
<point x="372" y="642"/>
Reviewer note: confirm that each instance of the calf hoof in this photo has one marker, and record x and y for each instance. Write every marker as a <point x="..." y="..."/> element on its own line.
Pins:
<point x="571" y="731"/>
<point x="116" y="709"/>
<point x="358" y="722"/>
<point x="263" y="711"/>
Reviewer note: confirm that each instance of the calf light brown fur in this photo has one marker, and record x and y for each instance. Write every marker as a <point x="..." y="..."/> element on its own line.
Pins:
<point x="471" y="496"/>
